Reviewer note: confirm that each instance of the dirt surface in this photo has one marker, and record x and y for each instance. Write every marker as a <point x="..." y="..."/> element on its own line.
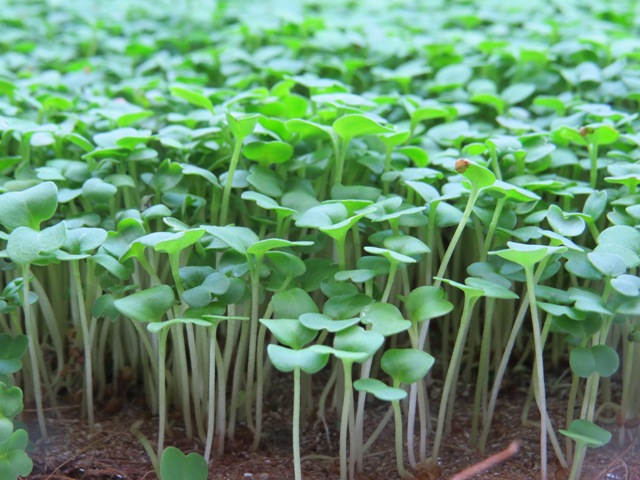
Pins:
<point x="113" y="452"/>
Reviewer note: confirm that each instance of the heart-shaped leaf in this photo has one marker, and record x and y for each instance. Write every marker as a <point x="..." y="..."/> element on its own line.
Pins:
<point x="385" y="319"/>
<point x="175" y="465"/>
<point x="427" y="302"/>
<point x="569" y="225"/>
<point x="406" y="365"/>
<point x="307" y="359"/>
<point x="30" y="207"/>
<point x="587" y="433"/>
<point x="600" y="359"/>
<point x="148" y="305"/>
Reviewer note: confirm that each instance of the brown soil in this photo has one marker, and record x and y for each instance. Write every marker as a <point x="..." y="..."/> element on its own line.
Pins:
<point x="112" y="452"/>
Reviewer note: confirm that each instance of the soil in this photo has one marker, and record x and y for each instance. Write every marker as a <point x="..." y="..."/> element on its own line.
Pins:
<point x="112" y="452"/>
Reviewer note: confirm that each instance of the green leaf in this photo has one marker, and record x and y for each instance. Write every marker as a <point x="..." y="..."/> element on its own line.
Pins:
<point x="356" y="125"/>
<point x="567" y="224"/>
<point x="175" y="465"/>
<point x="385" y="319"/>
<point x="600" y="359"/>
<point x="292" y="303"/>
<point x="238" y="238"/>
<point x="424" y="303"/>
<point x="610" y="264"/>
<point x="155" y="327"/>
<point x="390" y="255"/>
<point x="621" y="235"/>
<point x="306" y="359"/>
<point x="491" y="289"/>
<point x="379" y="389"/>
<point x="25" y="245"/>
<point x="30" y="207"/>
<point x="353" y="344"/>
<point x="193" y="97"/>
<point x="346" y="306"/>
<point x="11" y="350"/>
<point x="627" y="285"/>
<point x="517" y="92"/>
<point x="263" y="246"/>
<point x="14" y="461"/>
<point x="478" y="176"/>
<point x="319" y="321"/>
<point x="525" y="254"/>
<point x="10" y="406"/>
<point x="406" y="365"/>
<point x="148" y="305"/>
<point x="290" y="332"/>
<point x="177" y="242"/>
<point x="268" y="153"/>
<point x="596" y="204"/>
<point x="84" y="240"/>
<point x="406" y="245"/>
<point x="587" y="433"/>
<point x="588" y="301"/>
<point x="241" y="126"/>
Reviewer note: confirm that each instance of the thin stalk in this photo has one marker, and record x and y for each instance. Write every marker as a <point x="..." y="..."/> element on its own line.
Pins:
<point x="593" y="160"/>
<point x="341" y="154"/>
<point x="344" y="419"/>
<point x="295" y="429"/>
<point x="492" y="226"/>
<point x="502" y="368"/>
<point x="241" y="356"/>
<point x="212" y="387"/>
<point x="452" y="372"/>
<point x="31" y="328"/>
<point x="578" y="459"/>
<point x="162" y="388"/>
<point x="253" y="340"/>
<point x="397" y="418"/>
<point x="87" y="340"/>
<point x="235" y="157"/>
<point x="480" y="398"/>
<point x="260" y="383"/>
<point x="180" y="359"/>
<point x="473" y="195"/>
<point x="541" y="396"/>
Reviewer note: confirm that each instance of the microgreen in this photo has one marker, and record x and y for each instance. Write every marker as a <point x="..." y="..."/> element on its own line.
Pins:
<point x="348" y="195"/>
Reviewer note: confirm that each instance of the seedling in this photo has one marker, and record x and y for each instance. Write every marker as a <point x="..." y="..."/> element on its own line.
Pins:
<point x="528" y="256"/>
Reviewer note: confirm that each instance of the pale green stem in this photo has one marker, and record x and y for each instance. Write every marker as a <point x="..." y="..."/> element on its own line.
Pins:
<point x="297" y="467"/>
<point x="344" y="420"/>
<point x="593" y="159"/>
<point x="235" y="157"/>
<point x="253" y="340"/>
<point x="480" y="398"/>
<point x="162" y="389"/>
<point x="452" y="372"/>
<point x="473" y="195"/>
<point x="493" y="225"/>
<point x="87" y="341"/>
<point x="34" y="348"/>
<point x="541" y="397"/>
<point x="212" y="386"/>
<point x="397" y="418"/>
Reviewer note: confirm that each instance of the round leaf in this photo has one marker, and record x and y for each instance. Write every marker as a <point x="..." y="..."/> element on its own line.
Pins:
<point x="406" y="365"/>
